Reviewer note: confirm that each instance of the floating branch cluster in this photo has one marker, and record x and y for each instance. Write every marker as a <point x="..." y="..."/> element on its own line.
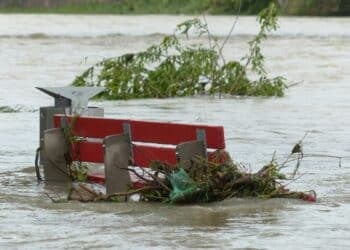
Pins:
<point x="175" y="67"/>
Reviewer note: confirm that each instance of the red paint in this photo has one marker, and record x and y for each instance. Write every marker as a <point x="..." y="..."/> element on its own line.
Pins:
<point x="141" y="131"/>
<point x="143" y="154"/>
<point x="88" y="152"/>
<point x="219" y="157"/>
<point x="309" y="197"/>
<point x="175" y="133"/>
<point x="138" y="184"/>
<point x="93" y="127"/>
<point x="96" y="178"/>
<point x="146" y="131"/>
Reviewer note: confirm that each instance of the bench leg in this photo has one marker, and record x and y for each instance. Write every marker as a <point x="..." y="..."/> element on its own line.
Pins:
<point x="117" y="154"/>
<point x="189" y="150"/>
<point x="46" y="122"/>
<point x="55" y="148"/>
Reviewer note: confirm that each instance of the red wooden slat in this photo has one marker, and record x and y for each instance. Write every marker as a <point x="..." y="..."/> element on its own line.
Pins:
<point x="88" y="151"/>
<point x="96" y="178"/>
<point x="146" y="131"/>
<point x="94" y="127"/>
<point x="143" y="155"/>
<point x="175" y="133"/>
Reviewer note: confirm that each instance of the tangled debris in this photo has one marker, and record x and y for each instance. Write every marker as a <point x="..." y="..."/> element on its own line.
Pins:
<point x="199" y="181"/>
<point x="205" y="181"/>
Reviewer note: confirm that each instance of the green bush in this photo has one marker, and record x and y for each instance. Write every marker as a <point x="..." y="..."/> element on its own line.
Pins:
<point x="174" y="68"/>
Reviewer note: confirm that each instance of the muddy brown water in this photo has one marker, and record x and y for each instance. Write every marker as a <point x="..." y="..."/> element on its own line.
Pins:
<point x="49" y="50"/>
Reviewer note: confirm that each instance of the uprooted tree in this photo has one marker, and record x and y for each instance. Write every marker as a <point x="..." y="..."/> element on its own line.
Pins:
<point x="175" y="66"/>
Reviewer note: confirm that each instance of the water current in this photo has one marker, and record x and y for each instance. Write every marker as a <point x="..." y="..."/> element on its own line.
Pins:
<point x="50" y="50"/>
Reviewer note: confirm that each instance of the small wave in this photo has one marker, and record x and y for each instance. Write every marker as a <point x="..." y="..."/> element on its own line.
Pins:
<point x="16" y="109"/>
<point x="38" y="36"/>
<point x="41" y="36"/>
<point x="8" y="109"/>
<point x="96" y="26"/>
<point x="77" y="36"/>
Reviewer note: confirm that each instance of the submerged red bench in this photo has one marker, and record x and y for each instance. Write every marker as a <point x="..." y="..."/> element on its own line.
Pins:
<point x="151" y="141"/>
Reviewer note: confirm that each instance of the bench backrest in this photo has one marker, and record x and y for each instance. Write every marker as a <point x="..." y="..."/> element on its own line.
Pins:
<point x="150" y="140"/>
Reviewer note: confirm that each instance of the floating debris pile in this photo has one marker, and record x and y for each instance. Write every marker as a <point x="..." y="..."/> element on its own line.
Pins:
<point x="199" y="181"/>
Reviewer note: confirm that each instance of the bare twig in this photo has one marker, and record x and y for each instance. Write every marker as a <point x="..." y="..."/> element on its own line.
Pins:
<point x="157" y="180"/>
<point x="306" y="134"/>
<point x="208" y="31"/>
<point x="287" y="160"/>
<point x="216" y="44"/>
<point x="133" y="191"/>
<point x="294" y="84"/>
<point x="300" y="150"/>
<point x="300" y="158"/>
<point x="89" y="190"/>
<point x="54" y="200"/>
<point x="326" y="156"/>
<point x="232" y="27"/>
<point x="48" y="196"/>
<point x="273" y="157"/>
<point x="340" y="158"/>
<point x="136" y="173"/>
<point x="154" y="177"/>
<point x="291" y="180"/>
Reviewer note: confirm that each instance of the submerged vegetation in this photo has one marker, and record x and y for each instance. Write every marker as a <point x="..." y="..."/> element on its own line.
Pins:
<point x="179" y="67"/>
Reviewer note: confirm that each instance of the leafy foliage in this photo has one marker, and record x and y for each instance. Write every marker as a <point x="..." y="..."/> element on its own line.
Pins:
<point x="8" y="109"/>
<point x="175" y="67"/>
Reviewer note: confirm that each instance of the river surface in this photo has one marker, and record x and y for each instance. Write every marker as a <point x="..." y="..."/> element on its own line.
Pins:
<point x="50" y="50"/>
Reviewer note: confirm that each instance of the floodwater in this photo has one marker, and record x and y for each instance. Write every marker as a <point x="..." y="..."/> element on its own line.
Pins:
<point x="49" y="50"/>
